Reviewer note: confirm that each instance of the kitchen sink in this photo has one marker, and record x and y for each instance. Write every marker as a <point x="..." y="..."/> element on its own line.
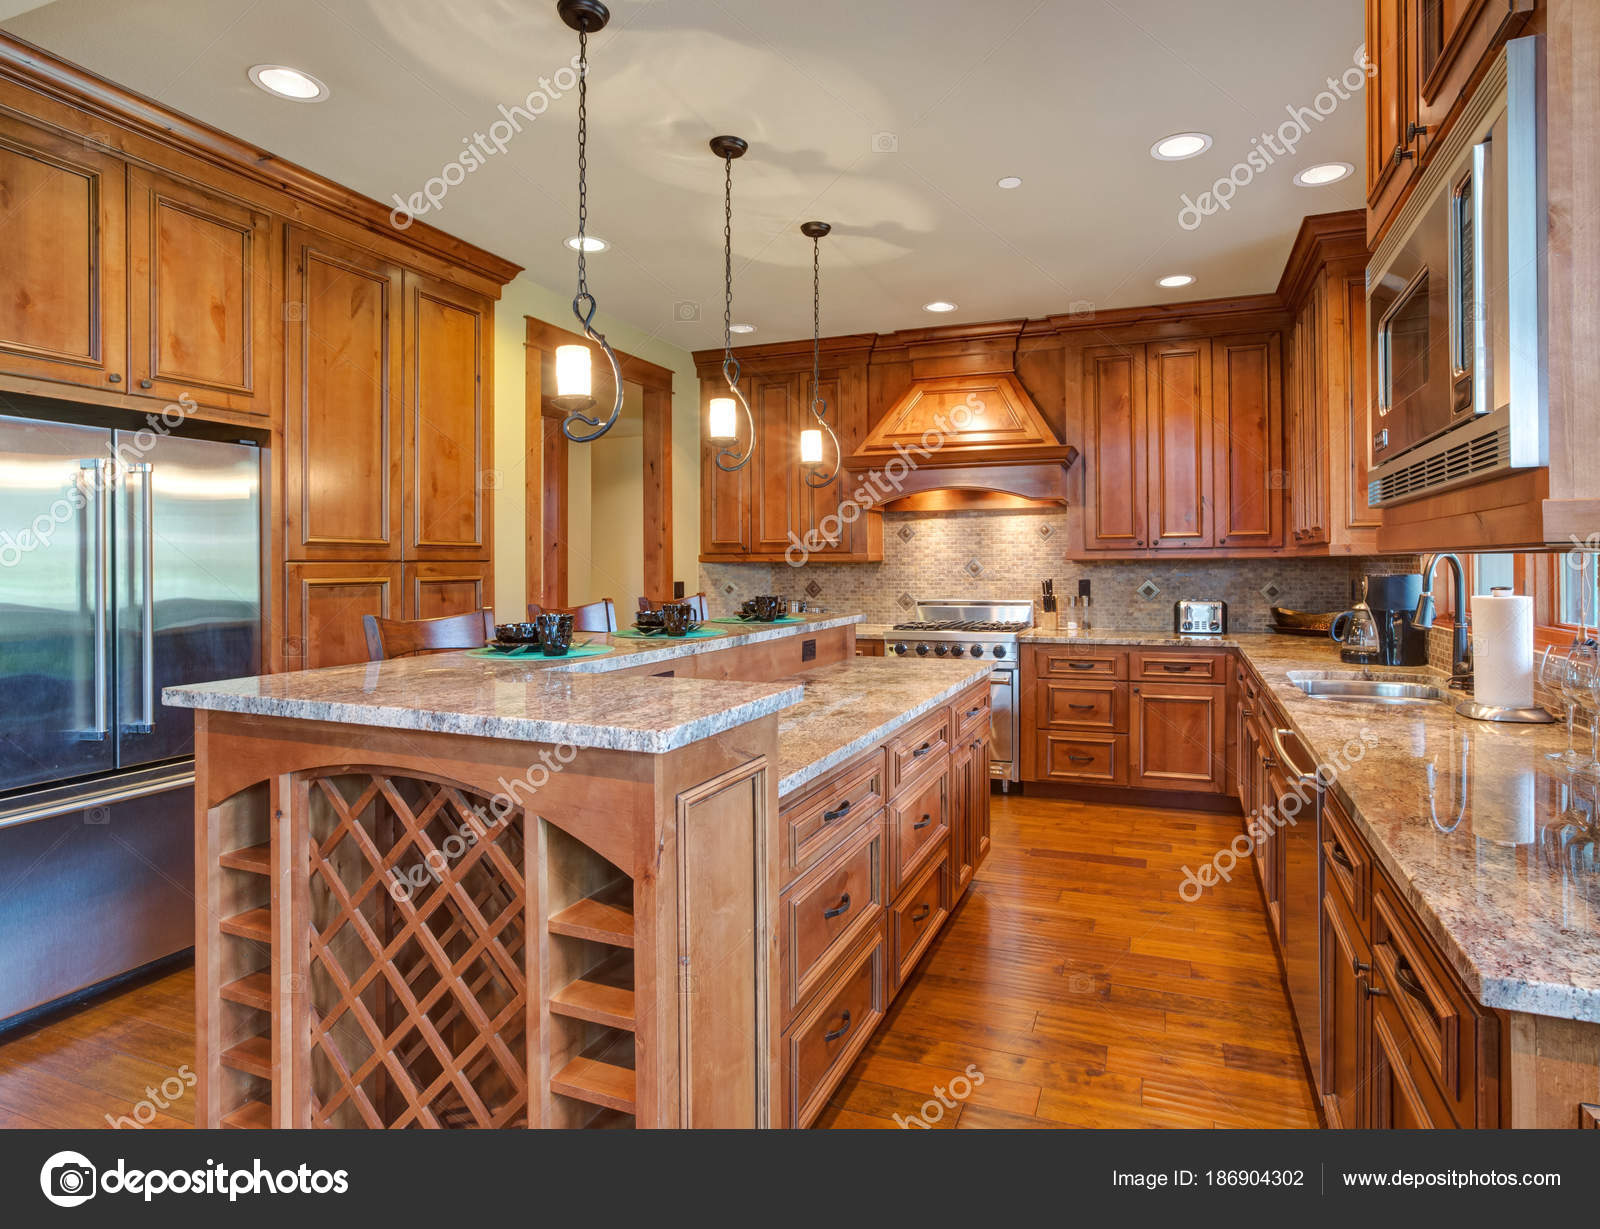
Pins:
<point x="1366" y="690"/>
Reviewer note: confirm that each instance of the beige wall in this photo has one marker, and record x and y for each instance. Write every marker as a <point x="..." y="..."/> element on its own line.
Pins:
<point x="512" y="585"/>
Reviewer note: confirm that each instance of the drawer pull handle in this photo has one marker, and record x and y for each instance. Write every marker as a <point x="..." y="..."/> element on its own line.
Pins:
<point x="838" y="812"/>
<point x="842" y="907"/>
<point x="1359" y="967"/>
<point x="1080" y="665"/>
<point x="1338" y="854"/>
<point x="1176" y="667"/>
<point x="1082" y="708"/>
<point x="922" y="751"/>
<point x="973" y="712"/>
<point x="1080" y="759"/>
<point x="833" y="1034"/>
<point x="922" y="913"/>
<point x="1371" y="991"/>
<point x="1409" y="983"/>
<point x="922" y="823"/>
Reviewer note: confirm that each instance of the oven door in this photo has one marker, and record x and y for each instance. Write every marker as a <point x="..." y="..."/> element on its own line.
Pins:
<point x="1003" y="724"/>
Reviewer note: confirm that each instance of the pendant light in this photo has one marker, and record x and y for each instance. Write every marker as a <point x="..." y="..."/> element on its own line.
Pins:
<point x="724" y="411"/>
<point x="811" y="437"/>
<point x="574" y="377"/>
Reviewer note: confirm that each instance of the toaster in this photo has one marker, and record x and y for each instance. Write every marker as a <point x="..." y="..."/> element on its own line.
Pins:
<point x="1199" y="618"/>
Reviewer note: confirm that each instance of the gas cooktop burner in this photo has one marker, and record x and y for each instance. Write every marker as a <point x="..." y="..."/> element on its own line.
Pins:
<point x="963" y="625"/>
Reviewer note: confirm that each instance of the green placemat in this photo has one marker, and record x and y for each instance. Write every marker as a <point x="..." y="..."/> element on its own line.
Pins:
<point x="758" y="622"/>
<point x="699" y="633"/>
<point x="533" y="653"/>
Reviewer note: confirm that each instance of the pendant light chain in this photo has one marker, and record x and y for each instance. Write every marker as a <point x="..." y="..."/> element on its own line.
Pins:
<point x="814" y="475"/>
<point x="727" y="265"/>
<point x="729" y="459"/>
<point x="583" y="163"/>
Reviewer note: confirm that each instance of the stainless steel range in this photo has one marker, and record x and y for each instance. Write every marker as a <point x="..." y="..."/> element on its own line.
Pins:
<point x="986" y="630"/>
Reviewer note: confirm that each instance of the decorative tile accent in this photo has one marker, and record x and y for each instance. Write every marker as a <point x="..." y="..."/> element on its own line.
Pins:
<point x="813" y="589"/>
<point x="1270" y="591"/>
<point x="728" y="589"/>
<point x="906" y="533"/>
<point x="974" y="568"/>
<point x="907" y="602"/>
<point x="1045" y="531"/>
<point x="1149" y="590"/>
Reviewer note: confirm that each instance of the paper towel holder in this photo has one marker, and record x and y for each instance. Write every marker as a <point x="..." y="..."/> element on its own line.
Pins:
<point x="1494" y="712"/>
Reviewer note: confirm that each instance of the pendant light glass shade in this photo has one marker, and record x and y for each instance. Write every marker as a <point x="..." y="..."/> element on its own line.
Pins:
<point x="811" y="446"/>
<point x="574" y="377"/>
<point x="573" y="374"/>
<point x="724" y="419"/>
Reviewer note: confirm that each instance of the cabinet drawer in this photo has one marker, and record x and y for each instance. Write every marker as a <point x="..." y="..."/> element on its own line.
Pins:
<point x="917" y="822"/>
<point x="1403" y="1097"/>
<point x="826" y="1037"/>
<point x="970" y="713"/>
<point x="826" y="912"/>
<point x="1075" y="704"/>
<point x="826" y="814"/>
<point x="919" y="914"/>
<point x="1087" y="759"/>
<point x="1450" y="1041"/>
<point x="1346" y="863"/>
<point x="922" y="744"/>
<point x="1180" y="667"/>
<point x="1077" y="661"/>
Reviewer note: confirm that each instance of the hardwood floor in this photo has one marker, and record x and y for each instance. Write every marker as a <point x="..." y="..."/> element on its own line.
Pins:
<point x="1087" y="993"/>
<point x="1073" y="978"/>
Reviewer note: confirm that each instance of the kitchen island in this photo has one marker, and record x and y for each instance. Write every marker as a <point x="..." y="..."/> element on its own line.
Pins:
<point x="456" y="890"/>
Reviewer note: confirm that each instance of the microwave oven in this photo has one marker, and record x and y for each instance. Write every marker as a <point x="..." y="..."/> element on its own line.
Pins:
<point x="1456" y="300"/>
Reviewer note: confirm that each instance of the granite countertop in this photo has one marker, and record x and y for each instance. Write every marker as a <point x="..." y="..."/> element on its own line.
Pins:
<point x="557" y="700"/>
<point x="853" y="706"/>
<point x="1496" y="848"/>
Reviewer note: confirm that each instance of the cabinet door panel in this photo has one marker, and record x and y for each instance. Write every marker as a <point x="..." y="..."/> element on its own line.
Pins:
<point x="447" y="437"/>
<point x="1178" y="391"/>
<point x="1247" y="441"/>
<point x="978" y="828"/>
<point x="62" y="309"/>
<point x="1344" y="1017"/>
<point x="961" y="818"/>
<point x="725" y="496"/>
<point x="1114" y="448"/>
<point x="818" y="504"/>
<point x="202" y="302"/>
<point x="433" y="590"/>
<point x="326" y="605"/>
<point x="1179" y="736"/>
<point x="342" y="434"/>
<point x="774" y="400"/>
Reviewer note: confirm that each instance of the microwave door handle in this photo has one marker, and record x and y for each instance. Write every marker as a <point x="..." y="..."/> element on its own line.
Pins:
<point x="147" y="625"/>
<point x="97" y="471"/>
<point x="1482" y="359"/>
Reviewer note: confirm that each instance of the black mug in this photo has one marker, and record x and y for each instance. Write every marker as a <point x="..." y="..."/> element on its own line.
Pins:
<point x="676" y="618"/>
<point x="555" y="633"/>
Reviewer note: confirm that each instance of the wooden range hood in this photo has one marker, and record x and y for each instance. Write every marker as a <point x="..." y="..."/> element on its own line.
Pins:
<point x="966" y="424"/>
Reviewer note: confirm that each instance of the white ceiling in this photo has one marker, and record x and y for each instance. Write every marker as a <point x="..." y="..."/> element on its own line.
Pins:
<point x="1068" y="94"/>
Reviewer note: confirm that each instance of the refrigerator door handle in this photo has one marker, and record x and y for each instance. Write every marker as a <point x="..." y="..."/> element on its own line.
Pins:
<point x="99" y="472"/>
<point x="147" y="628"/>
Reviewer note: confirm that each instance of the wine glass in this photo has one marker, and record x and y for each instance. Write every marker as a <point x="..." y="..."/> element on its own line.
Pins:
<point x="1552" y="676"/>
<point x="1580" y="686"/>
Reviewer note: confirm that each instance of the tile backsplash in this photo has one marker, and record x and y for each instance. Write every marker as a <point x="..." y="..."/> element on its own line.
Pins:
<point x="994" y="555"/>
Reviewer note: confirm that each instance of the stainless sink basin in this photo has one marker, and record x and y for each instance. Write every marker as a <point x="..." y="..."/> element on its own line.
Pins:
<point x="1367" y="690"/>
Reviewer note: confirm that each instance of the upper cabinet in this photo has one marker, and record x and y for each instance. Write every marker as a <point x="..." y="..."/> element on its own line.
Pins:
<point x="201" y="303"/>
<point x="63" y="311"/>
<point x="1425" y="56"/>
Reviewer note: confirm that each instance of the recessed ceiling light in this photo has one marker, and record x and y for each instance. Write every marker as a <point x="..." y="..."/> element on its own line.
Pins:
<point x="741" y="328"/>
<point x="938" y="305"/>
<point x="283" y="82"/>
<point x="1322" y="174"/>
<point x="1176" y="280"/>
<point x="1180" y="145"/>
<point x="591" y="243"/>
<point x="1009" y="181"/>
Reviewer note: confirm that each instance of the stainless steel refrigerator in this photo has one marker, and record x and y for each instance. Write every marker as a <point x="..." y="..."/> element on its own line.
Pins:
<point x="129" y="560"/>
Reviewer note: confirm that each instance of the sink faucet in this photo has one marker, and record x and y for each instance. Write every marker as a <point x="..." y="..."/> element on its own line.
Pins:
<point x="1460" y="652"/>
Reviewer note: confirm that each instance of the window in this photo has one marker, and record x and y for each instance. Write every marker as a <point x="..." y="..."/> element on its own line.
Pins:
<point x="1493" y="572"/>
<point x="1578" y="597"/>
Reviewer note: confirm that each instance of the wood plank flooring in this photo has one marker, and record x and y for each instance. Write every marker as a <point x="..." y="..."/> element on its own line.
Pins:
<point x="1087" y="993"/>
<point x="1073" y="978"/>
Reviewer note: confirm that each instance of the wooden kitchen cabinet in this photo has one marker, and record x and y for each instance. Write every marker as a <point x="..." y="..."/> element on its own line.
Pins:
<point x="1178" y="737"/>
<point x="961" y="795"/>
<point x="1178" y="416"/>
<point x="202" y="296"/>
<point x="326" y="604"/>
<point x="1115" y="510"/>
<point x="342" y="430"/>
<point x="433" y="590"/>
<point x="1247" y="448"/>
<point x="63" y="315"/>
<point x="775" y="498"/>
<point x="1346" y="965"/>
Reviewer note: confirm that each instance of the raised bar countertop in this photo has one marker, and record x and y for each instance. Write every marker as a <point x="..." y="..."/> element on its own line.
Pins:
<point x="1496" y="848"/>
<point x="529" y="699"/>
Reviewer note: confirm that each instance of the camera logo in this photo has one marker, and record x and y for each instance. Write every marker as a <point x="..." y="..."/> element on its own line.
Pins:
<point x="68" y="1179"/>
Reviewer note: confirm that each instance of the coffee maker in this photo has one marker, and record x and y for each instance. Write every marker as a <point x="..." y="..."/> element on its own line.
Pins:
<point x="1393" y="602"/>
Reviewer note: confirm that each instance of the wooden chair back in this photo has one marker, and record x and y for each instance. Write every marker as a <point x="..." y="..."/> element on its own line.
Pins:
<point x="598" y="616"/>
<point x="695" y="601"/>
<point x="391" y="638"/>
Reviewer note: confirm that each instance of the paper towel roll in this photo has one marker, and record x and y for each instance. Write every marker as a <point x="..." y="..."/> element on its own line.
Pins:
<point x="1502" y="649"/>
